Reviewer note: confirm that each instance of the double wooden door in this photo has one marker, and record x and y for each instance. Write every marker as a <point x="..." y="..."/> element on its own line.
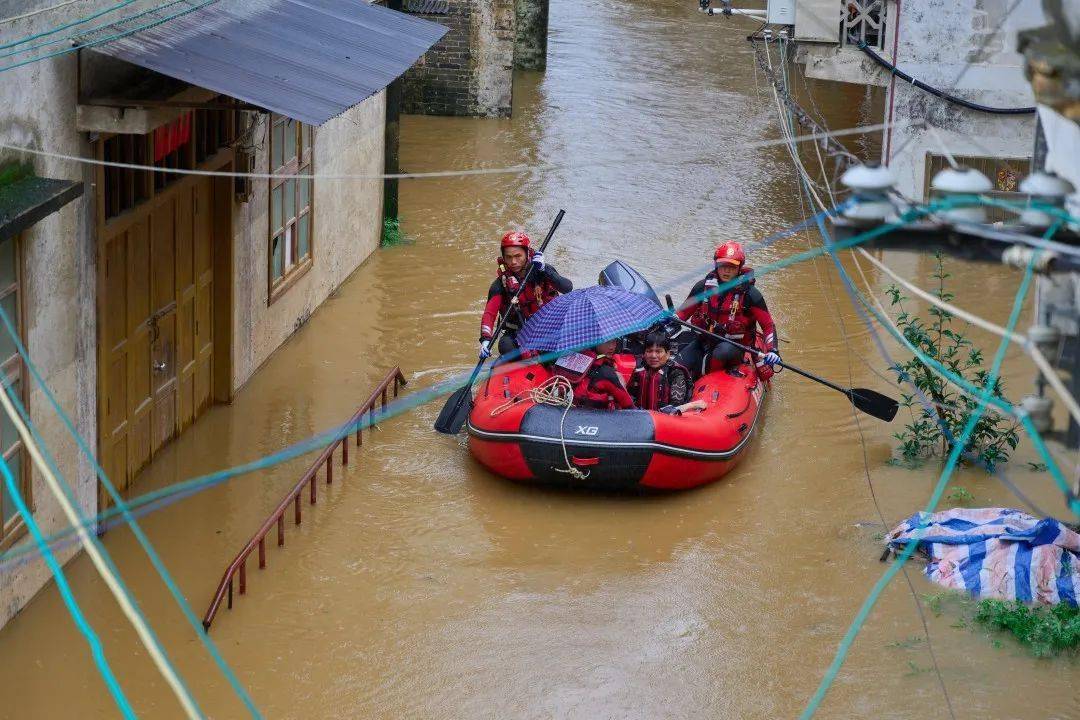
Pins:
<point x="155" y="324"/>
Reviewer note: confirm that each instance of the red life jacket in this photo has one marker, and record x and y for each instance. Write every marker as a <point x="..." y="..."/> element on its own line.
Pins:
<point x="726" y="313"/>
<point x="652" y="388"/>
<point x="532" y="298"/>
<point x="586" y="394"/>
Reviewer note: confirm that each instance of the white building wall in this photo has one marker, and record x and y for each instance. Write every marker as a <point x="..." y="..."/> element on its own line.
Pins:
<point x="37" y="109"/>
<point x="966" y="48"/>
<point x="348" y="224"/>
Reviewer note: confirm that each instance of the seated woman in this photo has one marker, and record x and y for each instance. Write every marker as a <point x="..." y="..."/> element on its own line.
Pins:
<point x="596" y="382"/>
<point x="659" y="382"/>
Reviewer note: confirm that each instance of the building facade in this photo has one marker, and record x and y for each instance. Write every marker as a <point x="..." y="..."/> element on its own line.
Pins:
<point x="965" y="49"/>
<point x="471" y="70"/>
<point x="164" y="286"/>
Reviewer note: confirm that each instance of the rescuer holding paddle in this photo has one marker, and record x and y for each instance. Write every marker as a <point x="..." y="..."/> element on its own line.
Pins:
<point x="733" y="313"/>
<point x="543" y="285"/>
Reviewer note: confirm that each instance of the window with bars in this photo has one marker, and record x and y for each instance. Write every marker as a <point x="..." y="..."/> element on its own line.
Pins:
<point x="12" y="375"/>
<point x="183" y="143"/>
<point x="863" y="21"/>
<point x="291" y="200"/>
<point x="1005" y="173"/>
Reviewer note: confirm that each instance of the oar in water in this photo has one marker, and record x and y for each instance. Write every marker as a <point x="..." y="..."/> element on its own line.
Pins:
<point x="869" y="401"/>
<point x="456" y="411"/>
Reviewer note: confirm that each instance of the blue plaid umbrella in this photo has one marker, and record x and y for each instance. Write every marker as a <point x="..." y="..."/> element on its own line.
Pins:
<point x="583" y="318"/>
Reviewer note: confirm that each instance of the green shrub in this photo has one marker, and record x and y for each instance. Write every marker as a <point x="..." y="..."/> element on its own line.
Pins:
<point x="392" y="234"/>
<point x="994" y="436"/>
<point x="1044" y="630"/>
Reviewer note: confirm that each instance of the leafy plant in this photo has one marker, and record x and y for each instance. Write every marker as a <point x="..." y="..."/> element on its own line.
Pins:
<point x="993" y="437"/>
<point x="1044" y="630"/>
<point x="392" y="234"/>
<point x="13" y="172"/>
<point x="960" y="496"/>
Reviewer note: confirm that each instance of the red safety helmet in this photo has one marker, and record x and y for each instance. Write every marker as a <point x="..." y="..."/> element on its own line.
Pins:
<point x="730" y="253"/>
<point x="515" y="239"/>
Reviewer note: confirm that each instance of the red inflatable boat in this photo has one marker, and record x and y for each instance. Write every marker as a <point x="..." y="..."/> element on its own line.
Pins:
<point x="518" y="438"/>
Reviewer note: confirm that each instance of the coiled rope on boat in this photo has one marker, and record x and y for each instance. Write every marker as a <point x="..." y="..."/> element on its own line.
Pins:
<point x="556" y="391"/>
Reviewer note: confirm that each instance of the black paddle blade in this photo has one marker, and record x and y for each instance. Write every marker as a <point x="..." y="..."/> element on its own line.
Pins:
<point x="455" y="412"/>
<point x="874" y="403"/>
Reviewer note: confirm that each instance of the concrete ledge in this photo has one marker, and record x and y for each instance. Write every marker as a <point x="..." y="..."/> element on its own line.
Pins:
<point x="840" y="64"/>
<point x="24" y="202"/>
<point x="125" y="116"/>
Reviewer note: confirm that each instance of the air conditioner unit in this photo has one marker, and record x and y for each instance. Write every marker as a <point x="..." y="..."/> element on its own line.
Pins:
<point x="780" y="12"/>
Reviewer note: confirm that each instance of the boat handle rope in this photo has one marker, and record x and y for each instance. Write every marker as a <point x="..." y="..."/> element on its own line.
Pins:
<point x="749" y="398"/>
<point x="556" y="391"/>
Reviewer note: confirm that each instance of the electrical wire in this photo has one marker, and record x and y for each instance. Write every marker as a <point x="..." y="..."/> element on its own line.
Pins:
<point x="65" y="26"/>
<point x="506" y="170"/>
<point x="164" y="496"/>
<point x="99" y="558"/>
<point x="941" y="93"/>
<point x="803" y="176"/>
<point x="72" y="605"/>
<point x="954" y="457"/>
<point x="122" y="507"/>
<point x="110" y="38"/>
<point x="959" y="383"/>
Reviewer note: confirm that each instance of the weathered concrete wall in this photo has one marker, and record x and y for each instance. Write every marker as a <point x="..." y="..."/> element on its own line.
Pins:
<point x="967" y="48"/>
<point x="530" y="44"/>
<point x="37" y="106"/>
<point x="347" y="229"/>
<point x="469" y="71"/>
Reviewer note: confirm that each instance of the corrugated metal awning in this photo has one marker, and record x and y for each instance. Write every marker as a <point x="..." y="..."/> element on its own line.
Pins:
<point x="308" y="59"/>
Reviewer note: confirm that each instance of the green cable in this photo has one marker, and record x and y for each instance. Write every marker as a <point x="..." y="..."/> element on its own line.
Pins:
<point x="935" y="497"/>
<point x="143" y="540"/>
<point x="61" y="28"/>
<point x="67" y="595"/>
<point x="321" y="440"/>
<point x="110" y="38"/>
<point x="86" y="33"/>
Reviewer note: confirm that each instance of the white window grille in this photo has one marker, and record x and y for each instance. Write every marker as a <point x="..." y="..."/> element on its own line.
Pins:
<point x="863" y="21"/>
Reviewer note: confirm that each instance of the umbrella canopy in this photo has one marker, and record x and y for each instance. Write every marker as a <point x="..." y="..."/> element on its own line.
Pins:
<point x="582" y="318"/>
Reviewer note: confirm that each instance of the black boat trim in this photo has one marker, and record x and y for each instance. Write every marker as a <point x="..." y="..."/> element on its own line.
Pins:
<point x="662" y="447"/>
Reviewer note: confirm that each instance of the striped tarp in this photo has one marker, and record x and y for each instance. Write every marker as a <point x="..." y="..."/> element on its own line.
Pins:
<point x="997" y="553"/>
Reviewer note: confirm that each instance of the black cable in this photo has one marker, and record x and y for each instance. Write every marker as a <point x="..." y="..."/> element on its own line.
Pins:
<point x="941" y="93"/>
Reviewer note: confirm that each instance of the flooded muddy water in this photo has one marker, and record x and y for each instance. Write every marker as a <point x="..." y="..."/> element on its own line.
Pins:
<point x="421" y="586"/>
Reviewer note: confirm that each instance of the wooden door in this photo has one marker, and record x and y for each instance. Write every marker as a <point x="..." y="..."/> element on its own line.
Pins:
<point x="155" y="326"/>
<point x="203" y="332"/>
<point x="162" y="322"/>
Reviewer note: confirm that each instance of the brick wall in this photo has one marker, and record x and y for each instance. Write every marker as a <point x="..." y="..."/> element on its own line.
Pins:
<point x="470" y="71"/>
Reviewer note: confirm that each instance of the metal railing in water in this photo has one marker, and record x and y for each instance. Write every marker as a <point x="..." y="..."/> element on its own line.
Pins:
<point x="237" y="569"/>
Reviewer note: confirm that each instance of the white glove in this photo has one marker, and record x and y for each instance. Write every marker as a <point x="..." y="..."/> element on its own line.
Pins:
<point x="538" y="261"/>
<point x="771" y="358"/>
<point x="485" y="349"/>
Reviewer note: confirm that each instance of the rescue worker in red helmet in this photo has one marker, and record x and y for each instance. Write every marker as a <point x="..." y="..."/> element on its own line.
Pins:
<point x="544" y="285"/>
<point x="735" y="313"/>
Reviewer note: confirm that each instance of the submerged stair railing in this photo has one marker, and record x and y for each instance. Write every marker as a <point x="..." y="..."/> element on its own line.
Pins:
<point x="237" y="569"/>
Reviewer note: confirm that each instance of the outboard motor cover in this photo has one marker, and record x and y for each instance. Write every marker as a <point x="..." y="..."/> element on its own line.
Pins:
<point x="619" y="274"/>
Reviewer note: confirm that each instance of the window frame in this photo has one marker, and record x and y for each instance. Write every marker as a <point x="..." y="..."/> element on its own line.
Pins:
<point x="13" y="530"/>
<point x="300" y="162"/>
